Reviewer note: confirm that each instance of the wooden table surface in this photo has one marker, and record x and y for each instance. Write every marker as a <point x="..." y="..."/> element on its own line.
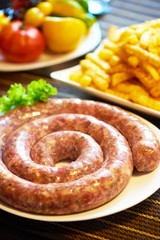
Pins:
<point x="140" y="222"/>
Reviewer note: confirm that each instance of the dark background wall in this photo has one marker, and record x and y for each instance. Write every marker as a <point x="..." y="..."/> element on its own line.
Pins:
<point x="4" y="3"/>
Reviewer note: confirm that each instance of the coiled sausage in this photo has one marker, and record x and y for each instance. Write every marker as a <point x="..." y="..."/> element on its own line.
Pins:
<point x="39" y="186"/>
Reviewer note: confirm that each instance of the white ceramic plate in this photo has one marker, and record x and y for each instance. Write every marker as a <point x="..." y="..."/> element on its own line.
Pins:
<point x="46" y="59"/>
<point x="139" y="188"/>
<point x="64" y="76"/>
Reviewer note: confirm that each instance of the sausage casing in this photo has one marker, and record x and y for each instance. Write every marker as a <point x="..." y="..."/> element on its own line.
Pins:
<point x="41" y="187"/>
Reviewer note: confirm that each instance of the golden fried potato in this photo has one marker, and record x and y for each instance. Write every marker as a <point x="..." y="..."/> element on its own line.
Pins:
<point x="155" y="91"/>
<point x="146" y="101"/>
<point x="118" y="94"/>
<point x="127" y="65"/>
<point x="120" y="77"/>
<point x="113" y="34"/>
<point x="144" y="55"/>
<point x="95" y="59"/>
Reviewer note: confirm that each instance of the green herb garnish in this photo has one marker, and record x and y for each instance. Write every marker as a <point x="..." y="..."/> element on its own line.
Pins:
<point x="19" y="96"/>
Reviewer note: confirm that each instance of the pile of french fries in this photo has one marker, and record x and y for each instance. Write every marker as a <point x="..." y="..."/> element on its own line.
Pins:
<point x="127" y="65"/>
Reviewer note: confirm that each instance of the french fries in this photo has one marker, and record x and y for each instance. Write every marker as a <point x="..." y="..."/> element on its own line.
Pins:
<point x="127" y="65"/>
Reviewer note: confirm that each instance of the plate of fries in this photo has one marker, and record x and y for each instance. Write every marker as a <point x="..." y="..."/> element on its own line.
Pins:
<point x="125" y="69"/>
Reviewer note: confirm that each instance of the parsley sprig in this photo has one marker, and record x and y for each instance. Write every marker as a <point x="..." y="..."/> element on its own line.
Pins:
<point x="19" y="96"/>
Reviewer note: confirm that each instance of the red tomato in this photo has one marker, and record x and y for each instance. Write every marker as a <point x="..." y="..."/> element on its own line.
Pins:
<point x="20" y="43"/>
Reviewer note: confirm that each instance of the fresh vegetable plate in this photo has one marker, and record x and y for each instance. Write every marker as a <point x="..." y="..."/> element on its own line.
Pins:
<point x="48" y="58"/>
<point x="64" y="76"/>
<point x="139" y="188"/>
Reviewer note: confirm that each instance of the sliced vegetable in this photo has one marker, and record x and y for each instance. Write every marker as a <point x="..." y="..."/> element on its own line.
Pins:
<point x="19" y="96"/>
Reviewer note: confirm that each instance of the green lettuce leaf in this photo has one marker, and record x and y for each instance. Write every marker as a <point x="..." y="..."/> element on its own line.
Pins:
<point x="37" y="90"/>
